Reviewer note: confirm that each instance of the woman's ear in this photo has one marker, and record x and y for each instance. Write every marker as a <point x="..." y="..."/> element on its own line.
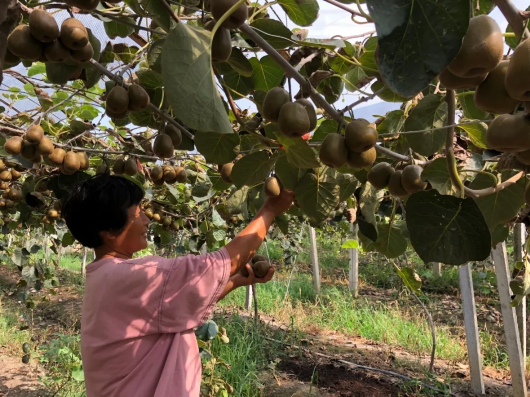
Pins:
<point x="107" y="236"/>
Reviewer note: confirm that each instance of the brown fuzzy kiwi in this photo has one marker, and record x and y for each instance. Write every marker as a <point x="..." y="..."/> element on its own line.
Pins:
<point x="174" y="133"/>
<point x="182" y="175"/>
<point x="73" y="34"/>
<point x="57" y="157"/>
<point x="149" y="213"/>
<point x="71" y="162"/>
<point x="333" y="151"/>
<point x="45" y="147"/>
<point x="175" y="225"/>
<point x="449" y="80"/>
<point x="10" y="59"/>
<point x="102" y="169"/>
<point x="117" y="100"/>
<point x="491" y="95"/>
<point x="394" y="185"/>
<point x="2" y="165"/>
<point x="219" y="7"/>
<point x="163" y="146"/>
<point x="34" y="134"/>
<point x="523" y="157"/>
<point x="362" y="160"/>
<point x="273" y="102"/>
<point x="130" y="167"/>
<point x="166" y="221"/>
<point x="5" y="176"/>
<point x="22" y="44"/>
<point x="138" y="97"/>
<point x="509" y="133"/>
<point x="517" y="81"/>
<point x="261" y="268"/>
<point x="272" y="187"/>
<point x="43" y="26"/>
<point x="226" y="171"/>
<point x="13" y="145"/>
<point x="15" y="174"/>
<point x="84" y="54"/>
<point x="169" y="174"/>
<point x="379" y="175"/>
<point x="221" y="43"/>
<point x="293" y="120"/>
<point x="37" y="159"/>
<point x="156" y="217"/>
<point x="29" y="150"/>
<point x="157" y="173"/>
<point x="360" y="135"/>
<point x="116" y="116"/>
<point x="84" y="163"/>
<point x="259" y="258"/>
<point x="481" y="50"/>
<point x="311" y="112"/>
<point x="411" y="179"/>
<point x="118" y="167"/>
<point x="15" y="194"/>
<point x="56" y="51"/>
<point x="52" y="214"/>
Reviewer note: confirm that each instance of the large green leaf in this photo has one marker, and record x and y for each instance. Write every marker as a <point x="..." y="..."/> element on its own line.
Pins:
<point x="236" y="203"/>
<point x="326" y="127"/>
<point x="389" y="241"/>
<point x="149" y="79"/>
<point x="318" y="195"/>
<point x="409" y="278"/>
<point x="217" y="148"/>
<point x="392" y="123"/>
<point x="503" y="205"/>
<point x="298" y="152"/>
<point x="154" y="55"/>
<point x="331" y="88"/>
<point x="252" y="169"/>
<point x="429" y="113"/>
<point x="417" y="39"/>
<point x="355" y="77"/>
<point x="301" y="12"/>
<point x="469" y="108"/>
<point x="239" y="85"/>
<point x="289" y="176"/>
<point x="189" y="82"/>
<point x="437" y="175"/>
<point x="476" y="133"/>
<point x="159" y="13"/>
<point x="387" y="94"/>
<point x="240" y="63"/>
<point x="368" y="202"/>
<point x="275" y="32"/>
<point x="447" y="229"/>
<point x="348" y="184"/>
<point x="266" y="73"/>
<point x="115" y="29"/>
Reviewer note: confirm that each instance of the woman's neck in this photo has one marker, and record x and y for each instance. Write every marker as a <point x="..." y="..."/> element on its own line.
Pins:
<point x="109" y="252"/>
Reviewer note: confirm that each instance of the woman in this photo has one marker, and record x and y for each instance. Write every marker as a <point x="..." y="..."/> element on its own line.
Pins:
<point x="139" y="315"/>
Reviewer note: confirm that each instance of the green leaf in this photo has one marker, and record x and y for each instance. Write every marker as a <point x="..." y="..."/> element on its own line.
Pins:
<point x="301" y="12"/>
<point x="266" y="73"/>
<point x="289" y="176"/>
<point x="513" y="41"/>
<point x="367" y="59"/>
<point x="217" y="182"/>
<point x="240" y="63"/>
<point x="298" y="152"/>
<point x="410" y="278"/>
<point x="217" y="220"/>
<point x="390" y="242"/>
<point x="329" y="44"/>
<point x="326" y="127"/>
<point x="503" y="205"/>
<point x="154" y="55"/>
<point x="348" y="184"/>
<point x="189" y="82"/>
<point x="239" y="84"/>
<point x="78" y="374"/>
<point x="36" y="69"/>
<point x="476" y="133"/>
<point x="499" y="234"/>
<point x="429" y="113"/>
<point x="447" y="229"/>
<point x="274" y="32"/>
<point x="331" y="88"/>
<point x="368" y="202"/>
<point x="392" y="123"/>
<point x="115" y="29"/>
<point x="353" y="244"/>
<point x="252" y="169"/>
<point x="469" y="108"/>
<point x="217" y="148"/>
<point x="149" y="79"/>
<point x="159" y="12"/>
<point x="207" y="331"/>
<point x="417" y="39"/>
<point x="124" y="52"/>
<point x="283" y="224"/>
<point x="236" y="203"/>
<point x="387" y="94"/>
<point x="144" y="118"/>
<point x="437" y="175"/>
<point x="318" y="195"/>
<point x="483" y="7"/>
<point x="58" y="72"/>
<point x="165" y="235"/>
<point x="67" y="239"/>
<point x="356" y="77"/>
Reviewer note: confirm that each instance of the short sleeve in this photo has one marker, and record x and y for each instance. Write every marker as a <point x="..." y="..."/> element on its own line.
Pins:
<point x="192" y="288"/>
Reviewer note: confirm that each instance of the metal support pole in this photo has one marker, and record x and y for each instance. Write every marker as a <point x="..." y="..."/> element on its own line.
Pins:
<point x="354" y="264"/>
<point x="314" y="259"/>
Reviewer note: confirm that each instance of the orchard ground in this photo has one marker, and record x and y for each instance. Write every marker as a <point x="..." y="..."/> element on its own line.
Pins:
<point x="383" y="328"/>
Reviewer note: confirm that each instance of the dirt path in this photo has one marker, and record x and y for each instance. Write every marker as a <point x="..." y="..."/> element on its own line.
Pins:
<point x="19" y="380"/>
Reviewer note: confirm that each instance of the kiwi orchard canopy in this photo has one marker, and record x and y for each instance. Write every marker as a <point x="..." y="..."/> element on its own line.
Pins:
<point x="152" y="90"/>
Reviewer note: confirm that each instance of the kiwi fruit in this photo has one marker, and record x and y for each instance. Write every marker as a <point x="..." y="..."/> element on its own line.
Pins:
<point x="333" y="151"/>
<point x="481" y="50"/>
<point x="157" y="173"/>
<point x="84" y="163"/>
<point x="166" y="221"/>
<point x="311" y="112"/>
<point x="523" y="157"/>
<point x="174" y="133"/>
<point x="175" y="225"/>
<point x="29" y="150"/>
<point x="10" y="58"/>
<point x="22" y="44"/>
<point x="491" y="95"/>
<point x="182" y="175"/>
<point x="116" y="116"/>
<point x="261" y="268"/>
<point x="219" y="7"/>
<point x="163" y="146"/>
<point x="394" y="185"/>
<point x="15" y="194"/>
<point x="360" y="135"/>
<point x="84" y="54"/>
<point x="102" y="169"/>
<point x="509" y="133"/>
<point x="37" y="159"/>
<point x="42" y="26"/>
<point x="517" y="80"/>
<point x="156" y="217"/>
<point x="130" y="167"/>
<point x="5" y="176"/>
<point x="169" y="174"/>
<point x="221" y="43"/>
<point x="71" y="162"/>
<point x="34" y="134"/>
<point x="13" y="145"/>
<point x="52" y="214"/>
<point x="293" y="120"/>
<point x="45" y="146"/>
<point x="2" y="165"/>
<point x="117" y="100"/>
<point x="273" y="102"/>
<point x="119" y="167"/>
<point x="272" y="187"/>
<point x="411" y="179"/>
<point x="138" y="98"/>
<point x="73" y="34"/>
<point x="453" y="82"/>
<point x="149" y="213"/>
<point x="226" y="171"/>
<point x="15" y="174"/>
<point x="57" y="157"/>
<point x="379" y="175"/>
<point x="87" y="5"/>
<point x="362" y="160"/>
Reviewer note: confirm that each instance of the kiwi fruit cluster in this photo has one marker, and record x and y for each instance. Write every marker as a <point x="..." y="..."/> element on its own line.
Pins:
<point x="294" y="119"/>
<point x="168" y="173"/>
<point x="34" y="146"/>
<point x="125" y="166"/>
<point x="356" y="148"/>
<point x="400" y="183"/>
<point x="166" y="141"/>
<point x="120" y="101"/>
<point x="9" y="172"/>
<point x="260" y="266"/>
<point x="42" y="40"/>
<point x="219" y="7"/>
<point x="154" y="213"/>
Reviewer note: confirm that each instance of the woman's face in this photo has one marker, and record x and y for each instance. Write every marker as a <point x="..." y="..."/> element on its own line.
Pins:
<point x="133" y="238"/>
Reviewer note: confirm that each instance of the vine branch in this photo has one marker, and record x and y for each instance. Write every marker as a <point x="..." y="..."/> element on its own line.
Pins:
<point x="343" y="7"/>
<point x="449" y="137"/>
<point x="513" y="16"/>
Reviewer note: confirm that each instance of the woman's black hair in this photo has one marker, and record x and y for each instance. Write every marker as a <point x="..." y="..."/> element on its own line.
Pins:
<point x="99" y="204"/>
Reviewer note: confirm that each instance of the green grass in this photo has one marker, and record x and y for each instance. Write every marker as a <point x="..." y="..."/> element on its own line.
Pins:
<point x="10" y="336"/>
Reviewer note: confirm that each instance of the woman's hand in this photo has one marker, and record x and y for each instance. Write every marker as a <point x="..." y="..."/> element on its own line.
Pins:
<point x="242" y="281"/>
